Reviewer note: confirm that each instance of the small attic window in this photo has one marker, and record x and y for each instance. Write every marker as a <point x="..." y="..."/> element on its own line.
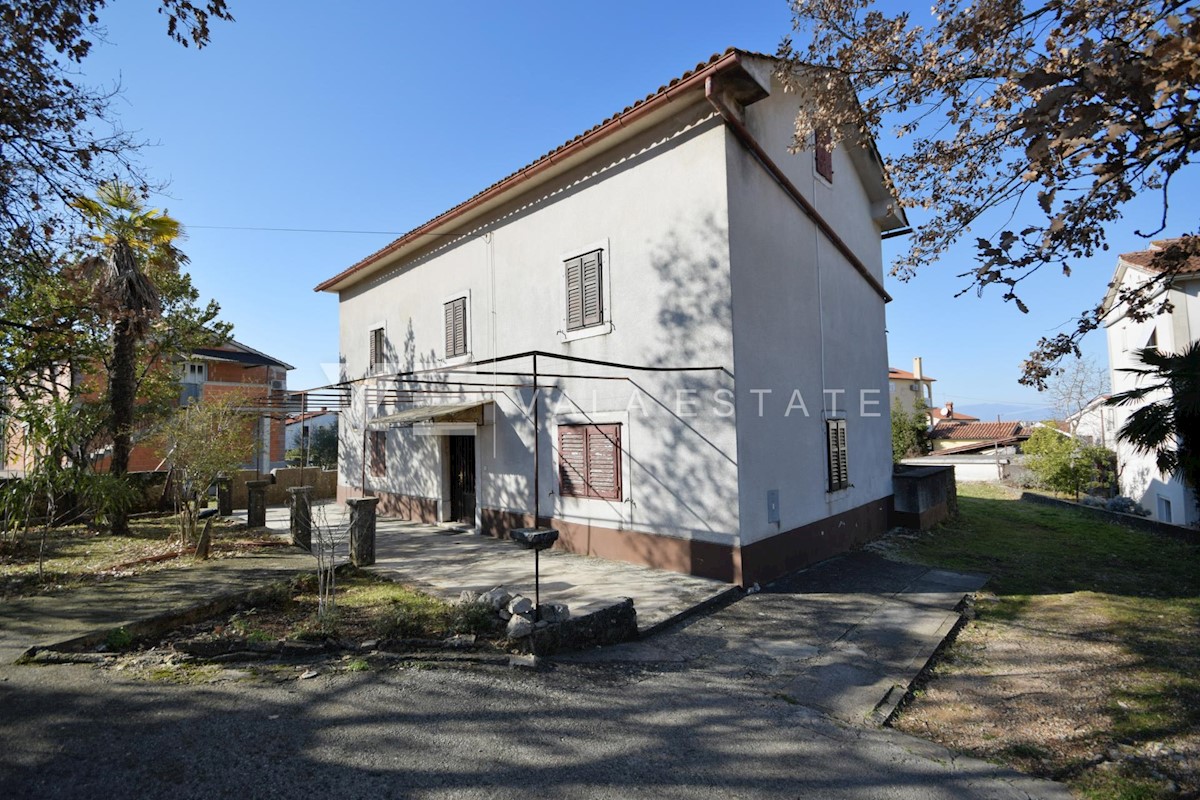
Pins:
<point x="823" y="153"/>
<point x="1153" y="340"/>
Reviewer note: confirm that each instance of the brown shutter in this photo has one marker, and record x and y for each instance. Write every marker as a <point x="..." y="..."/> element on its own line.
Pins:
<point x="839" y="468"/>
<point x="572" y="460"/>
<point x="460" y="326"/>
<point x="455" y="316"/>
<point x="604" y="461"/>
<point x="593" y="298"/>
<point x="823" y="153"/>
<point x="378" y="453"/>
<point x="375" y="357"/>
<point x="575" y="294"/>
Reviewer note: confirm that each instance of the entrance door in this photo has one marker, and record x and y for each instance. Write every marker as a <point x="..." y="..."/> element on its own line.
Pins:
<point x="462" y="479"/>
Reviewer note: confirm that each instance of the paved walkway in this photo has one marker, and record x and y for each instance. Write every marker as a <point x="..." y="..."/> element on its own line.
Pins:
<point x="447" y="561"/>
<point x="846" y="637"/>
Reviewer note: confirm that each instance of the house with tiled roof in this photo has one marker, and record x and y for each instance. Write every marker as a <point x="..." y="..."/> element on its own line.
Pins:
<point x="1166" y="496"/>
<point x="905" y="386"/>
<point x="231" y="367"/>
<point x="664" y="339"/>
<point x="961" y="436"/>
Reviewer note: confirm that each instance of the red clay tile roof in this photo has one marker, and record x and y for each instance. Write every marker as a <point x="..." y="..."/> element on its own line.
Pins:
<point x="936" y="413"/>
<point x="730" y="53"/>
<point x="977" y="431"/>
<point x="905" y="375"/>
<point x="1143" y="259"/>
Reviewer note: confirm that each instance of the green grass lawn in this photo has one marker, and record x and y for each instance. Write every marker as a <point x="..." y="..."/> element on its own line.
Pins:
<point x="1060" y="575"/>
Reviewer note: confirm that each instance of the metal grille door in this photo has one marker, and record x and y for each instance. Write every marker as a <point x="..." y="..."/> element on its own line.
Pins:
<point x="462" y="479"/>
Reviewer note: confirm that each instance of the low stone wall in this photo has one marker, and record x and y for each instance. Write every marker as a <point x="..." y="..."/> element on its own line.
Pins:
<point x="610" y="625"/>
<point x="923" y="496"/>
<point x="323" y="481"/>
<point x="1188" y="535"/>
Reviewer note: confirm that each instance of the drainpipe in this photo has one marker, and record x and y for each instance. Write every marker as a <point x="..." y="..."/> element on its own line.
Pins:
<point x="750" y="143"/>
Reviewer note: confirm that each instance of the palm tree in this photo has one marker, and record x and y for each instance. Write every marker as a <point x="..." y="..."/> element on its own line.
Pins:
<point x="136" y="244"/>
<point x="1170" y="426"/>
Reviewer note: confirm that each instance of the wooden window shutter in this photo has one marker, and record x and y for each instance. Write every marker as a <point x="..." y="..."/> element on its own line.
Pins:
<point x="574" y="294"/>
<point x="572" y="460"/>
<point x="378" y="453"/>
<point x="589" y="463"/>
<point x="604" y="461"/>
<point x="839" y="468"/>
<point x="823" y="153"/>
<point x="593" y="298"/>
<point x="455" y="314"/>
<point x="375" y="357"/>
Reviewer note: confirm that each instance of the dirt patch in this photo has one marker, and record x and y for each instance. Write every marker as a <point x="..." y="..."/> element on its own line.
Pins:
<point x="1039" y="683"/>
<point x="75" y="556"/>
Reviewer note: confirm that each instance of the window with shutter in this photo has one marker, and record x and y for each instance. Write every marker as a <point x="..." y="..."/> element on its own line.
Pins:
<point x="589" y="461"/>
<point x="823" y="154"/>
<point x="455" y="314"/>
<point x="585" y="290"/>
<point x="839" y="468"/>
<point x="378" y="453"/>
<point x="375" y="350"/>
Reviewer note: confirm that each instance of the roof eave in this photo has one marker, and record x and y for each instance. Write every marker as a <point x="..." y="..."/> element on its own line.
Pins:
<point x="641" y="114"/>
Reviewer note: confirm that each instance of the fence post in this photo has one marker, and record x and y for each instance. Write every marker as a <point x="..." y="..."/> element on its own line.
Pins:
<point x="225" y="496"/>
<point x="256" y="503"/>
<point x="362" y="530"/>
<point x="300" y="505"/>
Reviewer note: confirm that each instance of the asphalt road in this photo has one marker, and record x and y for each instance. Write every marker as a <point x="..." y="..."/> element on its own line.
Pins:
<point x="77" y="731"/>
<point x="684" y="721"/>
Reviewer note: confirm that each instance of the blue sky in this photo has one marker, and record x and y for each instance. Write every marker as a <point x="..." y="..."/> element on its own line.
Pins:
<point x="376" y="116"/>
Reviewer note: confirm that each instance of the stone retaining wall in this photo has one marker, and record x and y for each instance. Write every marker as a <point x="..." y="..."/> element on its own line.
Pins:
<point x="1188" y="535"/>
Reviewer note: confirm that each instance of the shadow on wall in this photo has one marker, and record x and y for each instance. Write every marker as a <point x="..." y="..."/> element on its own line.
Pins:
<point x="388" y="394"/>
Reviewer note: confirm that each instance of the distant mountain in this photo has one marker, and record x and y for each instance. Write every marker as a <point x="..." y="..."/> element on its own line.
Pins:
<point x="1008" y="413"/>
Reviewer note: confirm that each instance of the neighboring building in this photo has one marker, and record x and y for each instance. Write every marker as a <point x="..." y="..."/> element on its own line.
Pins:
<point x="946" y="413"/>
<point x="1166" y="496"/>
<point x="908" y="386"/>
<point x="1095" y="423"/>
<point x="964" y="437"/>
<point x="300" y="427"/>
<point x="561" y="349"/>
<point x="231" y="367"/>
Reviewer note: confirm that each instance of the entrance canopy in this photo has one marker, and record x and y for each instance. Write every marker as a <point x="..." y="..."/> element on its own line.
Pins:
<point x="463" y="415"/>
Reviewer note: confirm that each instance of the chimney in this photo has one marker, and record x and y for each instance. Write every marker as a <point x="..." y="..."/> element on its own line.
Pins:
<point x="917" y="368"/>
<point x="949" y="410"/>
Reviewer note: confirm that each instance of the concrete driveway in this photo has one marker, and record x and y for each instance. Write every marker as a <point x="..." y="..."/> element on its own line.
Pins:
<point x="447" y="560"/>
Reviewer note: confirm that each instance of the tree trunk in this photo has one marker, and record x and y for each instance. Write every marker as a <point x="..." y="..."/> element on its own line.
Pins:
<point x="121" y="382"/>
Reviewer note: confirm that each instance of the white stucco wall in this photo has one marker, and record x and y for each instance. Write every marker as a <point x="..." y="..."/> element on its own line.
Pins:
<point x="804" y="320"/>
<point x="1140" y="478"/>
<point x="657" y="208"/>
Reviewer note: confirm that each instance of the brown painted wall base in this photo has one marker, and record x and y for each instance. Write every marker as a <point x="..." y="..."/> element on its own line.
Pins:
<point x="759" y="562"/>
<point x="768" y="559"/>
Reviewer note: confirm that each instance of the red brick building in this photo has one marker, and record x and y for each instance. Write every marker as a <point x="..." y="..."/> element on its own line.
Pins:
<point x="210" y="372"/>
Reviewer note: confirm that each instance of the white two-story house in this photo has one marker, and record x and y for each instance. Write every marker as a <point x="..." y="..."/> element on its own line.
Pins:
<point x="665" y="339"/>
<point x="1167" y="497"/>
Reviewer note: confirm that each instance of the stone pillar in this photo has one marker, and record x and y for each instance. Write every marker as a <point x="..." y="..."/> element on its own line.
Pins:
<point x="362" y="530"/>
<point x="256" y="503"/>
<point x="225" y="497"/>
<point x="300" y="505"/>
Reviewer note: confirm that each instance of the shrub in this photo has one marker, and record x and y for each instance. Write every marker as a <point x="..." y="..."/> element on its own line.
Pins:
<point x="1126" y="505"/>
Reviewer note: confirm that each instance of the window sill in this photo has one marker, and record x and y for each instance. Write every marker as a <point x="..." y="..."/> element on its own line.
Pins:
<point x="455" y="361"/>
<point x="602" y="329"/>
